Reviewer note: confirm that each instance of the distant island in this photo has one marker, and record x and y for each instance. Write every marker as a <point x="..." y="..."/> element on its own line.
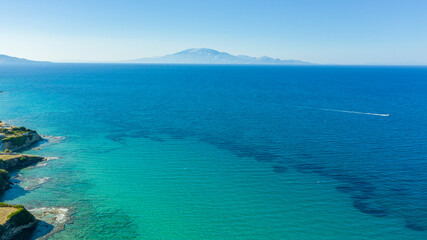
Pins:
<point x="189" y="56"/>
<point x="211" y="56"/>
<point x="9" y="59"/>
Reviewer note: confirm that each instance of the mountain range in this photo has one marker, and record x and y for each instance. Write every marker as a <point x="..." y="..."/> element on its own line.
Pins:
<point x="191" y="56"/>
<point x="211" y="56"/>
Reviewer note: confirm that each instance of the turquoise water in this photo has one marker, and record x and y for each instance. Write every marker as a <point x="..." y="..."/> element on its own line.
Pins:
<point x="224" y="152"/>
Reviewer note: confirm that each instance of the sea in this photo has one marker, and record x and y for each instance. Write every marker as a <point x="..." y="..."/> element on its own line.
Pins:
<point x="182" y="152"/>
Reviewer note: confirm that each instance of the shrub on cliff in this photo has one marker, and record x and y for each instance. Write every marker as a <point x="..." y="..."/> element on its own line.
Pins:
<point x="5" y="131"/>
<point x="4" y="175"/>
<point x="20" y="216"/>
<point x="4" y="179"/>
<point x="16" y="140"/>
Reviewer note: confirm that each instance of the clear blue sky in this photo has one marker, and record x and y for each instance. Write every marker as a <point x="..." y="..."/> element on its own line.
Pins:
<point x="321" y="31"/>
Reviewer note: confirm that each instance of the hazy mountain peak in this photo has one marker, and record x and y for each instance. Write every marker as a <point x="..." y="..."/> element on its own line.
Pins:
<point x="199" y="51"/>
<point x="211" y="56"/>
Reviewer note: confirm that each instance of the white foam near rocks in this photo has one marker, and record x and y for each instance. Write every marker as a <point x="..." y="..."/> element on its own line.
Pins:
<point x="42" y="180"/>
<point x="53" y="139"/>
<point x="43" y="162"/>
<point x="40" y="164"/>
<point x="48" y="140"/>
<point x="51" y="221"/>
<point x="52" y="215"/>
<point x="33" y="183"/>
<point x="27" y="183"/>
<point x="50" y="158"/>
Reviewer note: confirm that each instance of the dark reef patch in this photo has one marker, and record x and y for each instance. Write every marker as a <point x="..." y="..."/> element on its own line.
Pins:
<point x="357" y="186"/>
<point x="361" y="189"/>
<point x="309" y="168"/>
<point x="116" y="137"/>
<point x="279" y="169"/>
<point x="362" y="204"/>
<point x="242" y="150"/>
<point x="399" y="191"/>
<point x="414" y="226"/>
<point x="362" y="192"/>
<point x="156" y="139"/>
<point x="265" y="157"/>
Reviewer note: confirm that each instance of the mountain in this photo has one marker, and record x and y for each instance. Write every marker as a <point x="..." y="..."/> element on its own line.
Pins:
<point x="9" y="59"/>
<point x="211" y="56"/>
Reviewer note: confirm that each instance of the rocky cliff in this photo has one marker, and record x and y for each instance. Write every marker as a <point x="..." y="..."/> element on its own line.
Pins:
<point x="18" y="142"/>
<point x="16" y="220"/>
<point x="11" y="162"/>
<point x="4" y="181"/>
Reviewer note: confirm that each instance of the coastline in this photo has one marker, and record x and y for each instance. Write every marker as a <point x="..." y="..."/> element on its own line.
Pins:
<point x="312" y="175"/>
<point x="19" y="222"/>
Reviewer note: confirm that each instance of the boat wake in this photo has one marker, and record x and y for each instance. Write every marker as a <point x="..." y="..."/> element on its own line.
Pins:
<point x="343" y="111"/>
<point x="354" y="112"/>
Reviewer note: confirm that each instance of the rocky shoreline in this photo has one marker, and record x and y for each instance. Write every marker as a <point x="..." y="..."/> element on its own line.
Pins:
<point x="15" y="220"/>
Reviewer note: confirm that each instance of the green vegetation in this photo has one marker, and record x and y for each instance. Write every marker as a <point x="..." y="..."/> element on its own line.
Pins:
<point x="16" y="137"/>
<point x="4" y="174"/>
<point x="5" y="151"/>
<point x="19" y="217"/>
<point x="16" y="131"/>
<point x="4" y="179"/>
<point x="16" y="140"/>
<point x="2" y="204"/>
<point x="16" y="161"/>
<point x="5" y="131"/>
<point x="13" y="216"/>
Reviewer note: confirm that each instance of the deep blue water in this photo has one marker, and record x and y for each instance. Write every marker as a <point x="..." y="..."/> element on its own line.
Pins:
<point x="302" y="142"/>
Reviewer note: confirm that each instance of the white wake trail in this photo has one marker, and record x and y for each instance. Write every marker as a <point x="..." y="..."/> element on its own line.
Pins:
<point x="343" y="111"/>
<point x="365" y="113"/>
